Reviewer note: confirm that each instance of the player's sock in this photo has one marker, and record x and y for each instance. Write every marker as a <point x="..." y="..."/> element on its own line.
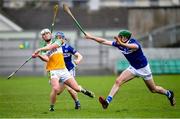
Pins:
<point x="168" y="94"/>
<point x="82" y="89"/>
<point x="86" y="92"/>
<point x="77" y="101"/>
<point x="77" y="104"/>
<point x="109" y="99"/>
<point x="51" y="108"/>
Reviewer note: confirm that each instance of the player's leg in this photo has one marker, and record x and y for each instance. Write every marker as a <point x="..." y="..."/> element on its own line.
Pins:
<point x="72" y="92"/>
<point x="56" y="88"/>
<point x="124" y="77"/>
<point x="74" y="85"/>
<point x="146" y="74"/>
<point x="158" y="89"/>
<point x="71" y="82"/>
<point x="74" y="95"/>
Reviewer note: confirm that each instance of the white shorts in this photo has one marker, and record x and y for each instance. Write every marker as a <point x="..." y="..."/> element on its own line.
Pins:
<point x="144" y="72"/>
<point x="73" y="72"/>
<point x="61" y="74"/>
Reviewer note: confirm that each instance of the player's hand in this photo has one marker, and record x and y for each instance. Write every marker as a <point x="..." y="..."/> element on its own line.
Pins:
<point x="76" y="62"/>
<point x="34" y="55"/>
<point x="118" y="40"/>
<point x="88" y="36"/>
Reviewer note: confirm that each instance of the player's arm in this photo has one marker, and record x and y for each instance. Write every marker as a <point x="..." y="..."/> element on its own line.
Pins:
<point x="98" y="39"/>
<point x="42" y="57"/>
<point x="131" y="46"/>
<point x="49" y="47"/>
<point x="78" y="59"/>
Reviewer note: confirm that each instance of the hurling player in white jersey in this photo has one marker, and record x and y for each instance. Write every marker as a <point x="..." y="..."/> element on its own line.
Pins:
<point x="139" y="66"/>
<point x="55" y="65"/>
<point x="70" y="63"/>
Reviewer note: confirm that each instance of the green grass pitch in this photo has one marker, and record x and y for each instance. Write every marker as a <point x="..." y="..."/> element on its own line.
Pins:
<point x="28" y="97"/>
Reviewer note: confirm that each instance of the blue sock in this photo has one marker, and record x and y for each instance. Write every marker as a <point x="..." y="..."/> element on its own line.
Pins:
<point x="168" y="94"/>
<point x="77" y="101"/>
<point x="109" y="99"/>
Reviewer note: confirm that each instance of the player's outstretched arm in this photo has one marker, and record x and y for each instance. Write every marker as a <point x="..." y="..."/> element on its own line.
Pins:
<point x="49" y="47"/>
<point x="44" y="57"/>
<point x="98" y="39"/>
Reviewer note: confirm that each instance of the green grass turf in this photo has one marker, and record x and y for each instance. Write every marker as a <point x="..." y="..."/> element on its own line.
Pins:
<point x="28" y="97"/>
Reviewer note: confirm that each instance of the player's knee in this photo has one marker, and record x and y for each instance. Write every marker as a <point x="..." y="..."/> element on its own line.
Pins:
<point x="118" y="82"/>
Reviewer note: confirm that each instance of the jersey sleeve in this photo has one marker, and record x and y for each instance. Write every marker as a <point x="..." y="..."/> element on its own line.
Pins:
<point x="133" y="41"/>
<point x="114" y="44"/>
<point x="71" y="50"/>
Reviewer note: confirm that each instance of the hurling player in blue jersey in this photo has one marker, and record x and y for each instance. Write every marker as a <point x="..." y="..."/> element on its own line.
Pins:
<point x="68" y="52"/>
<point x="139" y="66"/>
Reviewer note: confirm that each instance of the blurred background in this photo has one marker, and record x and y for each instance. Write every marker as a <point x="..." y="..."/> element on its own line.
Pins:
<point x="155" y="23"/>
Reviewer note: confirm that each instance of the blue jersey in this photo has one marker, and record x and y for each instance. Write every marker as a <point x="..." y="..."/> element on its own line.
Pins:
<point x="68" y="51"/>
<point x="135" y="58"/>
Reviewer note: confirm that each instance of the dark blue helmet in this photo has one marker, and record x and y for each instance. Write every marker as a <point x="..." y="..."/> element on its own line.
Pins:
<point x="59" y="33"/>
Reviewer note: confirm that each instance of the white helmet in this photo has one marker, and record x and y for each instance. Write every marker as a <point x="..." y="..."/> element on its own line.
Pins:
<point x="46" y="30"/>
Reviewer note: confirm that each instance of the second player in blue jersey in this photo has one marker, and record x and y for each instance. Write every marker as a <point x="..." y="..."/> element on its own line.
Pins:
<point x="70" y="62"/>
<point x="139" y="66"/>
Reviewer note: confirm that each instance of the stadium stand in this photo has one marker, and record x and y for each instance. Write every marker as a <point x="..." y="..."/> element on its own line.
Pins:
<point x="8" y="25"/>
<point x="43" y="18"/>
<point x="158" y="66"/>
